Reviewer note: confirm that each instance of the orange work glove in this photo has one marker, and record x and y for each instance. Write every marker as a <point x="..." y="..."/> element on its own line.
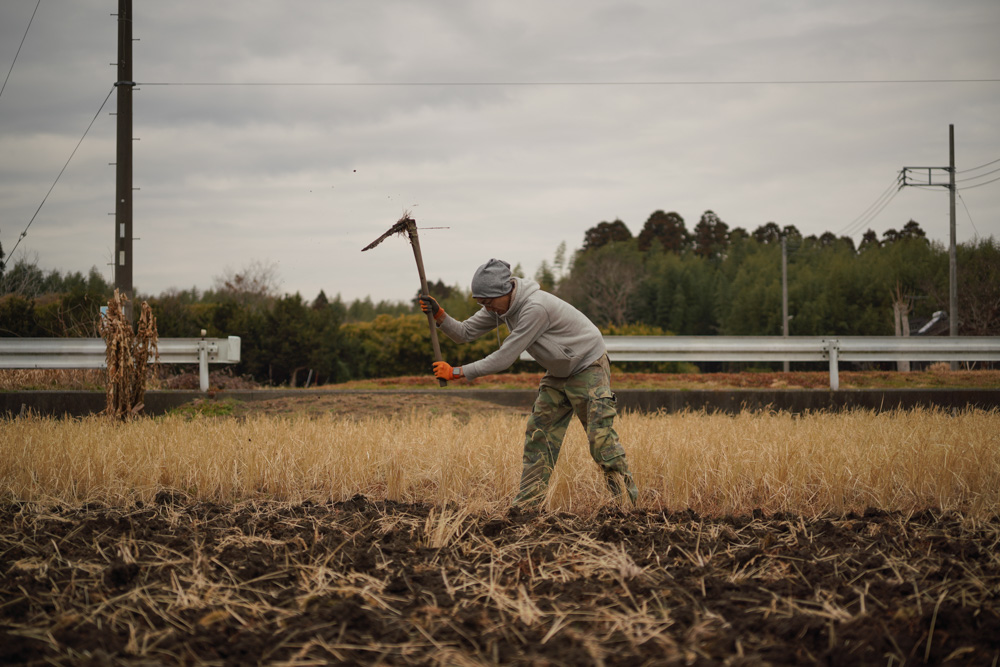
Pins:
<point x="444" y="371"/>
<point x="429" y="305"/>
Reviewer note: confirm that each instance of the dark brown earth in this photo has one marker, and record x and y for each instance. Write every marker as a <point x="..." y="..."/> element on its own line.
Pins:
<point x="175" y="581"/>
<point x="373" y="404"/>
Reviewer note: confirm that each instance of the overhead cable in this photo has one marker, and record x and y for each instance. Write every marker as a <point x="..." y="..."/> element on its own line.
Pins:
<point x="962" y="171"/>
<point x="874" y="214"/>
<point x="977" y="176"/>
<point x="386" y="84"/>
<point x="865" y="216"/>
<point x="971" y="221"/>
<point x="969" y="187"/>
<point x="19" y="47"/>
<point x="93" y="120"/>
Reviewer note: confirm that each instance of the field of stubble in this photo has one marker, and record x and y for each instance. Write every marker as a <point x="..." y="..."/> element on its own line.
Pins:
<point x="853" y="538"/>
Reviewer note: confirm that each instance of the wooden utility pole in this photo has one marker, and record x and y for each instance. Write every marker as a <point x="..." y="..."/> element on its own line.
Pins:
<point x="123" y="180"/>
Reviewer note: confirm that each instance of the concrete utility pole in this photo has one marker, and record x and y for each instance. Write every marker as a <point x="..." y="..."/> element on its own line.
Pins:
<point x="901" y="306"/>
<point x="952" y="251"/>
<point x="123" y="166"/>
<point x="786" y="365"/>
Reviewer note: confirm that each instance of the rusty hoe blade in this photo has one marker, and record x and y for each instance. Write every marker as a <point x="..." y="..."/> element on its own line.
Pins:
<point x="399" y="228"/>
<point x="407" y="225"/>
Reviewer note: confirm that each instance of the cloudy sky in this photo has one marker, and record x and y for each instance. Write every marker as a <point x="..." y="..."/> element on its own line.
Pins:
<point x="514" y="124"/>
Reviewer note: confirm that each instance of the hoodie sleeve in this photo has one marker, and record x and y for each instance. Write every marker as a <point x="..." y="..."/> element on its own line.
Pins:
<point x="480" y="323"/>
<point x="532" y="322"/>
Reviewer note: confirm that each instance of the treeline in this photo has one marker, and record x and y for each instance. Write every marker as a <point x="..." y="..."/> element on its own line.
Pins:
<point x="285" y="338"/>
<point x="716" y="280"/>
<point x="664" y="280"/>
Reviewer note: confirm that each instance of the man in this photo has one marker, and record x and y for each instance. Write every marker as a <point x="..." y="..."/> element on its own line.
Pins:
<point x="577" y="378"/>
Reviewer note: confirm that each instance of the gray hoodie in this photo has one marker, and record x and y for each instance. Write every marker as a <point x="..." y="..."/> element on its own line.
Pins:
<point x="556" y="334"/>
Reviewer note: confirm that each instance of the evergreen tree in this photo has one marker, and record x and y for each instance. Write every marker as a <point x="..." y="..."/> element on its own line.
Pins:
<point x="912" y="230"/>
<point x="559" y="261"/>
<point x="320" y="302"/>
<point x="767" y="234"/>
<point x="663" y="314"/>
<point x="678" y="310"/>
<point x="668" y="229"/>
<point x="604" y="233"/>
<point x="545" y="277"/>
<point x="827" y="239"/>
<point x="792" y="233"/>
<point x="711" y="237"/>
<point x="869" y="241"/>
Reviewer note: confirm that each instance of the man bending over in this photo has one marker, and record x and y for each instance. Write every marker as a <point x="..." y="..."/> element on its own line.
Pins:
<point x="577" y="380"/>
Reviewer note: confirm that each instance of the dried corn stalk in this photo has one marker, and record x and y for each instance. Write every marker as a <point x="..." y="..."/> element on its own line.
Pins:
<point x="128" y="357"/>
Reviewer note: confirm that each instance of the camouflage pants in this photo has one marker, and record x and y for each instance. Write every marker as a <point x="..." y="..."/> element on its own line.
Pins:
<point x="588" y="395"/>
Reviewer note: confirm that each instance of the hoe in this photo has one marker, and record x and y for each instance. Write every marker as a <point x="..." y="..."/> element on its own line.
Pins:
<point x="408" y="225"/>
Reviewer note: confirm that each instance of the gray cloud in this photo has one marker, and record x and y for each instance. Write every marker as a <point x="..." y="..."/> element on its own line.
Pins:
<point x="306" y="176"/>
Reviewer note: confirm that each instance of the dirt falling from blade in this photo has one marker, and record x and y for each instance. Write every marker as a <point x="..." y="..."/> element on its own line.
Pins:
<point x="398" y="228"/>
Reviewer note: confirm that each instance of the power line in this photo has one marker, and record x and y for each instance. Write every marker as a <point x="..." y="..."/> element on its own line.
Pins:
<point x="982" y="175"/>
<point x="868" y="215"/>
<point x="962" y="171"/>
<point x="855" y="225"/>
<point x="969" y="187"/>
<point x="874" y="214"/>
<point x="19" y="47"/>
<point x="45" y="198"/>
<point x="962" y="199"/>
<point x="388" y="84"/>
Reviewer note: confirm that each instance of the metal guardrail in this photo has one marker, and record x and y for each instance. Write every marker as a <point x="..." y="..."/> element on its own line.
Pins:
<point x="802" y="348"/>
<point x="90" y="353"/>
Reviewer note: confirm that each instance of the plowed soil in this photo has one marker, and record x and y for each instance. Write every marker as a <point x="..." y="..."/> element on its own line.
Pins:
<point x="359" y="405"/>
<point x="359" y="582"/>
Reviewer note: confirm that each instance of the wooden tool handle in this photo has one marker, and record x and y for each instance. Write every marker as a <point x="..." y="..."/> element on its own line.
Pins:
<point x="411" y="230"/>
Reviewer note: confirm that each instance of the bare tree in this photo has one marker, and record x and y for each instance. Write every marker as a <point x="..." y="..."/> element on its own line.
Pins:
<point x="604" y="282"/>
<point x="255" y="284"/>
<point x="23" y="277"/>
<point x="979" y="288"/>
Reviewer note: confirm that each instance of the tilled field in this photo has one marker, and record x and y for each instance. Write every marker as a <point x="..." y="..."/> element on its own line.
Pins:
<point x="177" y="581"/>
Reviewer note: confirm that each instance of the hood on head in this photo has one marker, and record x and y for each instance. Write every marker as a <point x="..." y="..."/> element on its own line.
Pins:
<point x="492" y="280"/>
<point x="525" y="288"/>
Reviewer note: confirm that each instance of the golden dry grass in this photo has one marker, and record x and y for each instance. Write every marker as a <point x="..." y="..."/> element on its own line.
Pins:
<point x="713" y="464"/>
<point x="30" y="379"/>
<point x="192" y="540"/>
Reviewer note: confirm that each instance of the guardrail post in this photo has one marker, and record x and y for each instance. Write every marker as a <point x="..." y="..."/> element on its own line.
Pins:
<point x="203" y="362"/>
<point x="832" y="348"/>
